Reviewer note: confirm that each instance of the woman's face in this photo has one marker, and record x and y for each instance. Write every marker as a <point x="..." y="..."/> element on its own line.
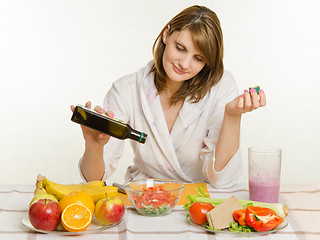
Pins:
<point x="182" y="60"/>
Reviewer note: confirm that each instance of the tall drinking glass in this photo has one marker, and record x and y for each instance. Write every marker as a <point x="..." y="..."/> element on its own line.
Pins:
<point x="264" y="173"/>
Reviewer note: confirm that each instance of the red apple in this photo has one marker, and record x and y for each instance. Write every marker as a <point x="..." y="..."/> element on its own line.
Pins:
<point x="44" y="214"/>
<point x="109" y="210"/>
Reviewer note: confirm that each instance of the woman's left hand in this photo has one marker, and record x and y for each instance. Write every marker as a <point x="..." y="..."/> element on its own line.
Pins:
<point x="246" y="102"/>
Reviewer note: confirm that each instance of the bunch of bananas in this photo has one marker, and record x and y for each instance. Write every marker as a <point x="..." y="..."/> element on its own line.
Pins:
<point x="96" y="189"/>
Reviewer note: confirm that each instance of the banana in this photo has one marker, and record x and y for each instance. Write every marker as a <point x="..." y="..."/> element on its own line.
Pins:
<point x="102" y="192"/>
<point x="96" y="193"/>
<point x="96" y="189"/>
<point x="73" y="187"/>
<point x="58" y="191"/>
<point x="39" y="185"/>
<point x="39" y="190"/>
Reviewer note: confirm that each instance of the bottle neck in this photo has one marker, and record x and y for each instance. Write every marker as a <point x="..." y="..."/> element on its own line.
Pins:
<point x="137" y="136"/>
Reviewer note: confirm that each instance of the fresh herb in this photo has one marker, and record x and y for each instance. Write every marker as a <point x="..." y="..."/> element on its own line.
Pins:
<point x="248" y="204"/>
<point x="193" y="198"/>
<point x="208" y="227"/>
<point x="236" y="227"/>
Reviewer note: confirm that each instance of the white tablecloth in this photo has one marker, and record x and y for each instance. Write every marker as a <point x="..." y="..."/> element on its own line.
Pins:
<point x="303" y="220"/>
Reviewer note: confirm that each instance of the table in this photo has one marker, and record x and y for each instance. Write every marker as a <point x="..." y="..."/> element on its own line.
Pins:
<point x="303" y="201"/>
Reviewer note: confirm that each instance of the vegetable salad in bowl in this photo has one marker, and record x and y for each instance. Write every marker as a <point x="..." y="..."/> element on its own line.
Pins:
<point x="154" y="197"/>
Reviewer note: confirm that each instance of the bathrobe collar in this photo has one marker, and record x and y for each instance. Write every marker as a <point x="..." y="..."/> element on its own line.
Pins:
<point x="152" y="110"/>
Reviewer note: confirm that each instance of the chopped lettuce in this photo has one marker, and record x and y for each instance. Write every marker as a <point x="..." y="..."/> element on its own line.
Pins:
<point x="236" y="227"/>
<point x="149" y="210"/>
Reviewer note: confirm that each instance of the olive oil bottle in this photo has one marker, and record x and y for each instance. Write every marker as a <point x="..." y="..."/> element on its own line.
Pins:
<point x="102" y="123"/>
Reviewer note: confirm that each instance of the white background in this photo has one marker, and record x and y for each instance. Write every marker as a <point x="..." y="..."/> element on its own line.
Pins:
<point x="57" y="53"/>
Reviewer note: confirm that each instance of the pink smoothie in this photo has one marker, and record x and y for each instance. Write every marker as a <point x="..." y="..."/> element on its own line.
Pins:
<point x="264" y="192"/>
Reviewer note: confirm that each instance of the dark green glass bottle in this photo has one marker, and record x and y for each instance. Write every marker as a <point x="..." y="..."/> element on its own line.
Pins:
<point x="102" y="123"/>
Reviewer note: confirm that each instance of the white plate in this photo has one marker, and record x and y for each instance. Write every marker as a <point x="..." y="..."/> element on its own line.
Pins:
<point x="226" y="231"/>
<point x="93" y="228"/>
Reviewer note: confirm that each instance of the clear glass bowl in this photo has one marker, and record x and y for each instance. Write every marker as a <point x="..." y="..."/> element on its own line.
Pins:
<point x="154" y="197"/>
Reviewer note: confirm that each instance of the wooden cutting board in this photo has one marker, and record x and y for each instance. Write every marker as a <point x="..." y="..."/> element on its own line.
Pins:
<point x="190" y="188"/>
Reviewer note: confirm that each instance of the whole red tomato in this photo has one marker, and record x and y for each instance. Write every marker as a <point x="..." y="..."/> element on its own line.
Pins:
<point x="198" y="210"/>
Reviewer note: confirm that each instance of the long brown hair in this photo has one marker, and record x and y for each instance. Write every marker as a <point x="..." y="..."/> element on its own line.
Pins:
<point x="205" y="28"/>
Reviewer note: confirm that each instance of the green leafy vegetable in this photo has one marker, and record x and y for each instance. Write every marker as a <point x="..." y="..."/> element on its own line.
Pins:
<point x="208" y="227"/>
<point x="159" y="211"/>
<point x="236" y="227"/>
<point x="193" y="198"/>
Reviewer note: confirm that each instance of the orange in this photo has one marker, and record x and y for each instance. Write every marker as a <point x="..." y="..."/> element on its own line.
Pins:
<point x="77" y="197"/>
<point x="76" y="218"/>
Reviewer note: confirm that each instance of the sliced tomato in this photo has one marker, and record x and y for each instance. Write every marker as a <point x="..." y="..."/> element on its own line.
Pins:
<point x="155" y="197"/>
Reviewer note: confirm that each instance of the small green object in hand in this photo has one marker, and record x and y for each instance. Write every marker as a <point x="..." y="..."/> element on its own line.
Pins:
<point x="257" y="88"/>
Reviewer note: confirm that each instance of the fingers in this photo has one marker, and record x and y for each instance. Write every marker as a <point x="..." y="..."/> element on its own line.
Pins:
<point x="250" y="101"/>
<point x="241" y="101"/>
<point x="99" y="109"/>
<point x="100" y="135"/>
<point x="263" y="100"/>
<point x="247" y="101"/>
<point x="110" y="113"/>
<point x="254" y="99"/>
<point x="88" y="104"/>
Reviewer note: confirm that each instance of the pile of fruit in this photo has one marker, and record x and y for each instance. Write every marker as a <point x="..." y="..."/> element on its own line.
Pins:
<point x="72" y="207"/>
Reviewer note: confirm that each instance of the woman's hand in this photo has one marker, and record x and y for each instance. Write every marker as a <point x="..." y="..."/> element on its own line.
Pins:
<point x="228" y="142"/>
<point x="93" y="138"/>
<point x="246" y="102"/>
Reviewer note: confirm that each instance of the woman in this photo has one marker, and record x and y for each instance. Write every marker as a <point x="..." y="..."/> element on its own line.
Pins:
<point x="186" y="103"/>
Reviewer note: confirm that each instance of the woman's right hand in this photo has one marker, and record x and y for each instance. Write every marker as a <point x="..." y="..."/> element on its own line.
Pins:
<point x="93" y="138"/>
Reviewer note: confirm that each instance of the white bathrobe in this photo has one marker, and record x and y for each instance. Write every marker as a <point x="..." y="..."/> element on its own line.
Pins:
<point x="186" y="154"/>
